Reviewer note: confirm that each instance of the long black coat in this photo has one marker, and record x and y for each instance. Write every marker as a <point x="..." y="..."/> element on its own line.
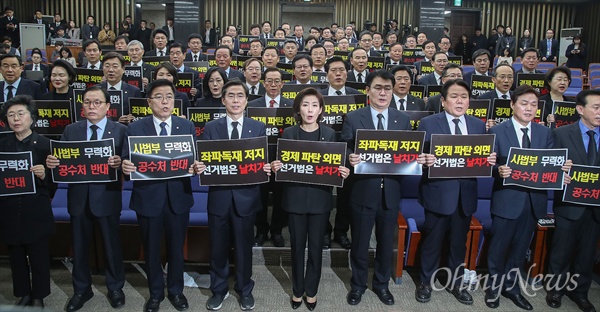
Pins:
<point x="28" y="218"/>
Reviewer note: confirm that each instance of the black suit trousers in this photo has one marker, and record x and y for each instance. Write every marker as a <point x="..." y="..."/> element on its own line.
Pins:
<point x="437" y="228"/>
<point x="363" y="220"/>
<point x="573" y="251"/>
<point x="221" y="229"/>
<point x="83" y="227"/>
<point x="508" y="248"/>
<point x="174" y="227"/>
<point x="303" y="227"/>
<point x="38" y="286"/>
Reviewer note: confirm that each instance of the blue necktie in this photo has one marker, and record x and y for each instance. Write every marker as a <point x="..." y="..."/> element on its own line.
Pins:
<point x="163" y="129"/>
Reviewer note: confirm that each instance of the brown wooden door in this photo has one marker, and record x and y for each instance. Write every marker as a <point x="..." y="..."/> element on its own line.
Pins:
<point x="463" y="23"/>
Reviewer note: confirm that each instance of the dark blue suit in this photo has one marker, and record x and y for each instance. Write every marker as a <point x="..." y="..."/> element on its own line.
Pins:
<point x="100" y="203"/>
<point x="25" y="87"/>
<point x="231" y="212"/>
<point x="449" y="205"/>
<point x="129" y="91"/>
<point x="380" y="206"/>
<point x="428" y="79"/>
<point x="162" y="206"/>
<point x="577" y="226"/>
<point x="515" y="210"/>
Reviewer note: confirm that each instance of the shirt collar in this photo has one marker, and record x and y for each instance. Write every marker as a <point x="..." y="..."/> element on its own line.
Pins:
<point x="101" y="124"/>
<point x="117" y="86"/>
<point x="157" y="122"/>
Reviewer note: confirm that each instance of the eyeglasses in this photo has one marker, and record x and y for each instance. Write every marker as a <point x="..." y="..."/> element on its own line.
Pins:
<point x="95" y="103"/>
<point x="272" y="81"/>
<point x="19" y="114"/>
<point x="160" y="97"/>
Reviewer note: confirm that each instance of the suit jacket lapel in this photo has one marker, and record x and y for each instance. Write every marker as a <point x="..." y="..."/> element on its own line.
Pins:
<point x="536" y="139"/>
<point x="109" y="130"/>
<point x="222" y="128"/>
<point x="149" y="126"/>
<point x="366" y="120"/>
<point x="81" y="133"/>
<point x="511" y="134"/>
<point x="443" y="122"/>
<point x="578" y="141"/>
<point x="393" y="120"/>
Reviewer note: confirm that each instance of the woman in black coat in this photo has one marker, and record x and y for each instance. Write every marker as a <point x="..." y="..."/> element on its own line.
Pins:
<point x="212" y="86"/>
<point x="62" y="75"/>
<point x="308" y="205"/>
<point x="27" y="219"/>
<point x="576" y="53"/>
<point x="167" y="71"/>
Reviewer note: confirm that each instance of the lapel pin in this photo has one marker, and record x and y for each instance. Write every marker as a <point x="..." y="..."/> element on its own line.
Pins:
<point x="109" y="132"/>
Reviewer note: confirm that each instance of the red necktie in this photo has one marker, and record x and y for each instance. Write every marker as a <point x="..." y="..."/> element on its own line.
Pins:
<point x="272" y="103"/>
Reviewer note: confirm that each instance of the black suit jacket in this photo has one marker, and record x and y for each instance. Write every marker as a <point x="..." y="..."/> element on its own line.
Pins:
<point x="442" y="195"/>
<point x="306" y="198"/>
<point x="491" y="95"/>
<point x="86" y="30"/>
<point x="543" y="47"/>
<point x="352" y="77"/>
<point x="43" y="68"/>
<point x="104" y="197"/>
<point x="507" y="201"/>
<point x="428" y="79"/>
<point x="129" y="91"/>
<point x="25" y="87"/>
<point x="371" y="184"/>
<point x="570" y="137"/>
<point x="233" y="73"/>
<point x="212" y="38"/>
<point x="262" y="102"/>
<point x="190" y="58"/>
<point x="247" y="198"/>
<point x="411" y="104"/>
<point x="147" y="194"/>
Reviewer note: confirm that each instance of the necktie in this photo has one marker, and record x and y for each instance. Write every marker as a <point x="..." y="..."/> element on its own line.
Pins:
<point x="456" y="128"/>
<point x="338" y="92"/>
<point x="380" y="122"/>
<point x="94" y="129"/>
<point x="440" y="81"/>
<point x="92" y="66"/>
<point x="112" y="89"/>
<point x="163" y="128"/>
<point x="592" y="148"/>
<point x="234" y="133"/>
<point x="504" y="96"/>
<point x="394" y="63"/>
<point x="272" y="103"/>
<point x="525" y="142"/>
<point x="10" y="93"/>
<point x="195" y="58"/>
<point x="253" y="90"/>
<point x="37" y="67"/>
<point x="161" y="53"/>
<point x="359" y="78"/>
<point x="401" y="107"/>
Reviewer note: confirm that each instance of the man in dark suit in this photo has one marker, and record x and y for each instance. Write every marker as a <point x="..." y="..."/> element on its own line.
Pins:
<point x="58" y="23"/>
<point x="160" y="38"/>
<point x="290" y="50"/>
<point x="135" y="50"/>
<point x="38" y="20"/>
<point x="299" y="33"/>
<point x="451" y="71"/>
<point x="481" y="59"/>
<point x="439" y="62"/>
<point x="303" y="65"/>
<point x="272" y="98"/>
<point x="515" y="210"/>
<point x="210" y="35"/>
<point x="365" y="41"/>
<point x="530" y="59"/>
<point x="9" y="26"/>
<point x="337" y="76"/>
<point x="503" y="77"/>
<point x="162" y="206"/>
<point x="195" y="45"/>
<point x="169" y="28"/>
<point x="265" y="32"/>
<point x="252" y="77"/>
<point x="90" y="30"/>
<point x="11" y="68"/>
<point x="445" y="44"/>
<point x="402" y="99"/>
<point x="495" y="35"/>
<point x="92" y="51"/>
<point x="380" y="207"/>
<point x="92" y="204"/>
<point x="36" y="65"/>
<point x="549" y="47"/>
<point x="576" y="226"/>
<point x="223" y="56"/>
<point x="113" y="66"/>
<point x="359" y="61"/>
<point x="232" y="209"/>
<point x="176" y="55"/>
<point x="449" y="203"/>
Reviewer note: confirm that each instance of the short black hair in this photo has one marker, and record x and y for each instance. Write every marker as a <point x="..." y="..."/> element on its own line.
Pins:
<point x="177" y="45"/>
<point x="169" y="67"/>
<point x="88" y="42"/>
<point x="303" y="57"/>
<point x="9" y="55"/>
<point x="159" y="83"/>
<point x="452" y="82"/>
<point x="112" y="55"/>
<point x="450" y="66"/>
<point x="317" y="46"/>
<point x="335" y="59"/>
<point x="537" y="53"/>
<point x="551" y="73"/>
<point x="205" y="87"/>
<point x="382" y="73"/>
<point x="272" y="69"/>
<point x="122" y="37"/>
<point x="438" y="53"/>
<point x="159" y="31"/>
<point x="581" y="98"/>
<point x="97" y="88"/>
<point x="481" y="52"/>
<point x="522" y="90"/>
<point x="233" y="83"/>
<point x="194" y="36"/>
<point x="66" y="65"/>
<point x="271" y="48"/>
<point x="428" y="42"/>
<point x="21" y="99"/>
<point x="398" y="68"/>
